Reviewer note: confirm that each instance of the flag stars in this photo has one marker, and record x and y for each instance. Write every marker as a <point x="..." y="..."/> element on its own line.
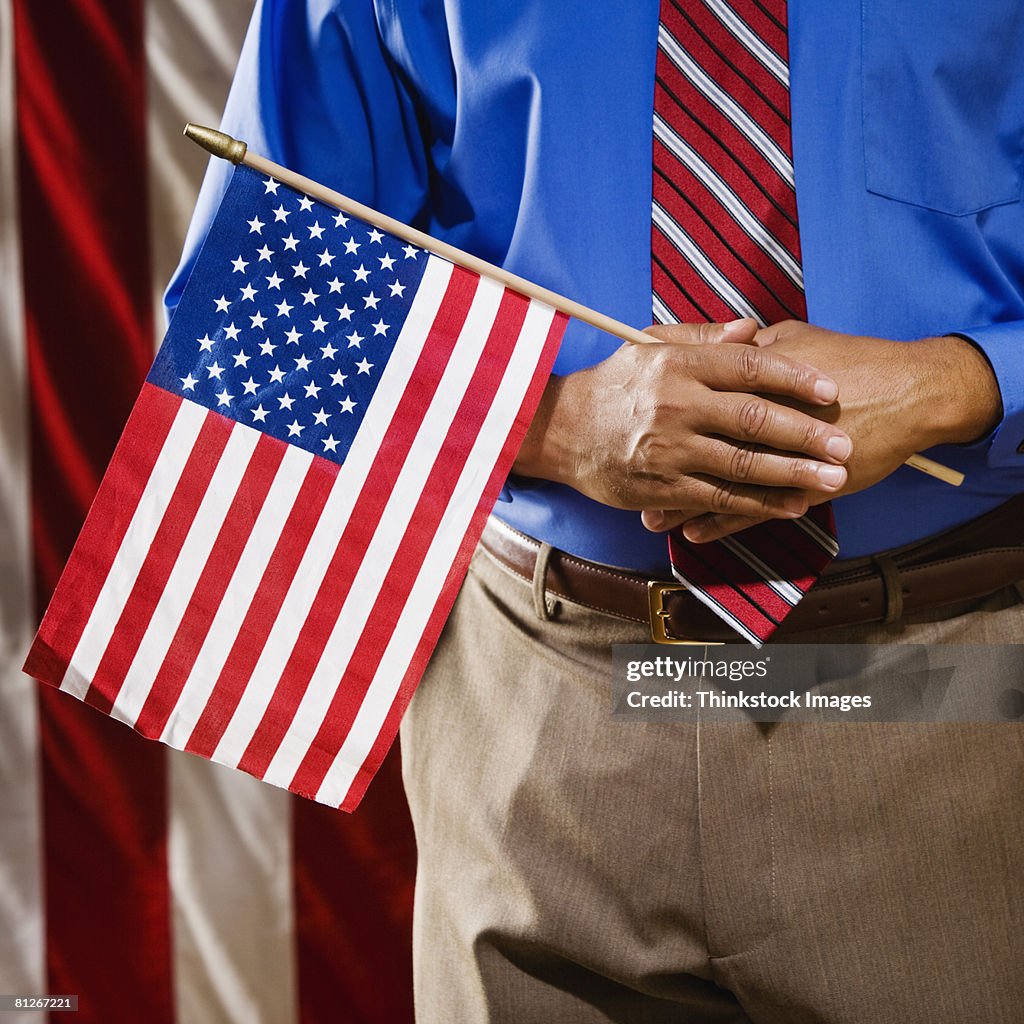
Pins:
<point x="347" y="405"/>
<point x="284" y="308"/>
<point x="286" y="401"/>
<point x="189" y="383"/>
<point x="293" y="336"/>
<point x="215" y="370"/>
<point x="309" y="298"/>
<point x="264" y="253"/>
<point x="345" y="313"/>
<point x="386" y="262"/>
<point x="239" y="265"/>
<point x="241" y="359"/>
<point x="290" y="243"/>
<point x="248" y="293"/>
<point x="305" y="203"/>
<point x="335" y="285"/>
<point x="250" y="386"/>
<point x="315" y="231"/>
<point x="232" y="331"/>
<point x="380" y="328"/>
<point x="256" y="226"/>
<point x="312" y="390"/>
<point x="319" y="324"/>
<point x="267" y="347"/>
<point x="222" y="304"/>
<point x="340" y="220"/>
<point x="258" y="320"/>
<point x="205" y="343"/>
<point x="259" y="414"/>
<point x="363" y="366"/>
<point x="224" y="398"/>
<point x="326" y="258"/>
<point x="295" y="429"/>
<point x="274" y="281"/>
<point x="328" y="351"/>
<point x="397" y="289"/>
<point x="321" y="418"/>
<point x="276" y="375"/>
<point x="271" y="186"/>
<point x="371" y="301"/>
<point x="351" y="246"/>
<point x="281" y="213"/>
<point x="300" y="269"/>
<point x="361" y="273"/>
<point x="302" y="363"/>
<point x="376" y="236"/>
<point x="339" y="378"/>
<point x="353" y="339"/>
<point x="411" y="252"/>
<point x="330" y="444"/>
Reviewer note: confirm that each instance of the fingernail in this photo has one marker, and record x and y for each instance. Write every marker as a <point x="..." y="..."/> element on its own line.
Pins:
<point x="826" y="390"/>
<point x="795" y="503"/>
<point x="695" y="533"/>
<point x="839" y="447"/>
<point x="735" y="326"/>
<point x="831" y="476"/>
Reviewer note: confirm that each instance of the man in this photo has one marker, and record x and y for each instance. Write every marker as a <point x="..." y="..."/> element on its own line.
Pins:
<point x="573" y="868"/>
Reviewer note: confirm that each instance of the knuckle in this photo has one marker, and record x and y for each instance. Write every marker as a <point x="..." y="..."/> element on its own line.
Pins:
<point x="723" y="498"/>
<point x="742" y="463"/>
<point x="748" y="366"/>
<point x="753" y="417"/>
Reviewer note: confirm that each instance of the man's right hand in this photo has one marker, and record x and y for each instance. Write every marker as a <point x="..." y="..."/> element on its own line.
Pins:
<point x="682" y="425"/>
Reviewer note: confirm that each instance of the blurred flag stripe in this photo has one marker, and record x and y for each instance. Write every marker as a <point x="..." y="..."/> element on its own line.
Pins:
<point x="22" y="964"/>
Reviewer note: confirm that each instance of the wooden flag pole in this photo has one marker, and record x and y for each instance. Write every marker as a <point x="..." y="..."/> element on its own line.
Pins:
<point x="222" y="145"/>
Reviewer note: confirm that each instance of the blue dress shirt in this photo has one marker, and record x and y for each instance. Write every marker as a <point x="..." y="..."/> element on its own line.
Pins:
<point x="522" y="133"/>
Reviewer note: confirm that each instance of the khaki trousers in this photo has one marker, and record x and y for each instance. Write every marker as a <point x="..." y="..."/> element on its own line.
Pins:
<point x="576" y="868"/>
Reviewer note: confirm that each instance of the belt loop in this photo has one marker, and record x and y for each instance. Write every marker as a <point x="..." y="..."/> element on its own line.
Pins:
<point x="540" y="572"/>
<point x="893" y="588"/>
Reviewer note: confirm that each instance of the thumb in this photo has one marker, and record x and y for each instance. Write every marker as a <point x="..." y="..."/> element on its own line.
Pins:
<point x="743" y="332"/>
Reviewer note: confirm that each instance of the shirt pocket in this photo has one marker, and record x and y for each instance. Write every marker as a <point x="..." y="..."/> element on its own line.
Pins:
<point x="943" y="102"/>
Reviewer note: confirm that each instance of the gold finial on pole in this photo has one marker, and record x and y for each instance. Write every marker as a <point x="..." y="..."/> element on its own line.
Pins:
<point x="215" y="142"/>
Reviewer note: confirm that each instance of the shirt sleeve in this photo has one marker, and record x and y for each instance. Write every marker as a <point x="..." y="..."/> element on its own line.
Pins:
<point x="1003" y="345"/>
<point x="317" y="91"/>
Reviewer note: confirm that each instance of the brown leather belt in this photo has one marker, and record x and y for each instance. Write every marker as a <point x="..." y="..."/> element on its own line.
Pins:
<point x="962" y="564"/>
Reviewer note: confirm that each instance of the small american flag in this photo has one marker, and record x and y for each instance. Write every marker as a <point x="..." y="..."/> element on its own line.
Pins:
<point x="293" y="504"/>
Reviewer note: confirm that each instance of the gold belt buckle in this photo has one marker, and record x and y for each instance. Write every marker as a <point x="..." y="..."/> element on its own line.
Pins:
<point x="658" y="615"/>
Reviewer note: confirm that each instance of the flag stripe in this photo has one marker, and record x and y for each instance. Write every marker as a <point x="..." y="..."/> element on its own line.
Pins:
<point x="354" y="578"/>
<point x="369" y="636"/>
<point x="442" y="554"/>
<point x="162" y="689"/>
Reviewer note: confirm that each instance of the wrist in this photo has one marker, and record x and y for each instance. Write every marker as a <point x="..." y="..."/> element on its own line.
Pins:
<point x="543" y="453"/>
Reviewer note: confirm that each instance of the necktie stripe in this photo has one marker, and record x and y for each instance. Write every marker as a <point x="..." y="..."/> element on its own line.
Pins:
<point x="724" y="243"/>
<point x="726" y="105"/>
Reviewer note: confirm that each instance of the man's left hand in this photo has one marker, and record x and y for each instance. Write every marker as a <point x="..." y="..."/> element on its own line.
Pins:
<point x="896" y="398"/>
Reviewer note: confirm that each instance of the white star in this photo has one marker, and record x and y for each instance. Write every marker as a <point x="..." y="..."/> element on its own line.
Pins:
<point x="375" y="235"/>
<point x="214" y="370"/>
<point x="265" y="253"/>
<point x="315" y="231"/>
<point x="336" y="285"/>
<point x="345" y="313"/>
<point x="354" y="339"/>
<point x="286" y="401"/>
<point x="250" y="386"/>
<point x="276" y="375"/>
<point x="321" y="418"/>
<point x="351" y="245"/>
<point x="290" y="243"/>
<point x="340" y="220"/>
<point x="258" y="320"/>
<point x="339" y="378"/>
<point x="410" y="251"/>
<point x="293" y="336"/>
<point x="361" y="273"/>
<point x="255" y="226"/>
<point x="319" y="324"/>
<point x="302" y="363"/>
<point x="371" y="301"/>
<point x="224" y="398"/>
<point x="232" y="331"/>
<point x="248" y="292"/>
<point x="281" y="213"/>
<point x="271" y="186"/>
<point x="386" y="262"/>
<point x="239" y="265"/>
<point x="363" y="366"/>
<point x="397" y="289"/>
<point x="328" y="351"/>
<point x="189" y="383"/>
<point x="266" y="348"/>
<point x="380" y="328"/>
<point x="205" y="343"/>
<point x="306" y="203"/>
<point x="222" y="304"/>
<point x="309" y="298"/>
<point x="241" y="359"/>
<point x="300" y="269"/>
<point x="347" y="405"/>
<point x="274" y="281"/>
<point x="330" y="445"/>
<point x="326" y="258"/>
<point x="259" y="413"/>
<point x="294" y="430"/>
<point x="312" y="390"/>
<point x="283" y="308"/>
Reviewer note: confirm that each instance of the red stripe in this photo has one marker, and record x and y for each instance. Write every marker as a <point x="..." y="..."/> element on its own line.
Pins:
<point x="213" y="582"/>
<point x="761" y="24"/>
<point x="416" y="541"/>
<point x="698" y="291"/>
<point x="795" y="556"/>
<point x="147" y="587"/>
<point x="264" y="607"/>
<point x="102" y="534"/>
<point x="360" y="528"/>
<point x="80" y="94"/>
<point x="460" y="566"/>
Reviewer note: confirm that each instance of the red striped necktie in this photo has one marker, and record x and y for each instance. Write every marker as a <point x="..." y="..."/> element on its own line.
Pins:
<point x="725" y="244"/>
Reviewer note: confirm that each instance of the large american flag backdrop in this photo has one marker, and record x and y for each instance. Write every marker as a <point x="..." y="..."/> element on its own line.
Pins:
<point x="154" y="884"/>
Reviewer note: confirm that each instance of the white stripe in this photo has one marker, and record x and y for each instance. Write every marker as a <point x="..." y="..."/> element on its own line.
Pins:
<point x="720" y="610"/>
<point x="369" y="583"/>
<point x="790" y="594"/>
<point x="662" y="314"/>
<point x="22" y="949"/>
<point x="753" y="42"/>
<point x="723" y="192"/>
<point x="332" y="521"/>
<point x="695" y="256"/>
<point x="703" y="82"/>
<point x="189" y="564"/>
<point x="432" y="573"/>
<point x="821" y="538"/>
<point x="133" y="550"/>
